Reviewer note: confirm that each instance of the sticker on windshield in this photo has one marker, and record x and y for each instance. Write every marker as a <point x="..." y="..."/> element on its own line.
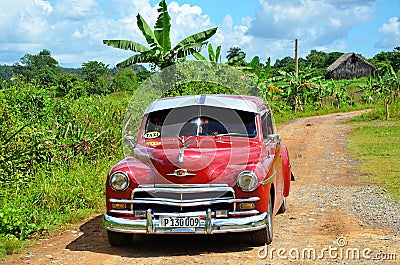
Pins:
<point x="153" y="144"/>
<point x="151" y="135"/>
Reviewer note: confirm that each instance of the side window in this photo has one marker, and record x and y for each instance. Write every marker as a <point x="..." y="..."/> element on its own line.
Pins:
<point x="267" y="124"/>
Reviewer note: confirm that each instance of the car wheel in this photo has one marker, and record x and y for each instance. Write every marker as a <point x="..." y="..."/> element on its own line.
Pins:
<point x="283" y="207"/>
<point x="119" y="239"/>
<point x="265" y="235"/>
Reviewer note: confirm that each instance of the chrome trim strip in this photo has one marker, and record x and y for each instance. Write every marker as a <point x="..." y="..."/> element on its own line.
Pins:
<point x="200" y="213"/>
<point x="184" y="203"/>
<point x="184" y="190"/>
<point x="122" y="211"/>
<point x="182" y="185"/>
<point x="250" y="212"/>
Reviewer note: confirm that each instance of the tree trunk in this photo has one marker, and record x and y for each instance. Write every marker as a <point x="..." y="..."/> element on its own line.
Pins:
<point x="387" y="110"/>
<point x="388" y="101"/>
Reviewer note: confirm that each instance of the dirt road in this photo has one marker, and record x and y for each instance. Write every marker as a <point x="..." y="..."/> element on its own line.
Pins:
<point x="344" y="220"/>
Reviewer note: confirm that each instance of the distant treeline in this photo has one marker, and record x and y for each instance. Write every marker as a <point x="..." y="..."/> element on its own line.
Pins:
<point x="315" y="59"/>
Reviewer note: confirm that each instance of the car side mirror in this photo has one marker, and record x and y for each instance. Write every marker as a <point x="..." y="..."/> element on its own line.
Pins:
<point x="130" y="139"/>
<point x="273" y="138"/>
<point x="128" y="145"/>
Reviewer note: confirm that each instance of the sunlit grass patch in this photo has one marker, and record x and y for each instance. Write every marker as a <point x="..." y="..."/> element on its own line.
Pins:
<point x="376" y="145"/>
<point x="11" y="245"/>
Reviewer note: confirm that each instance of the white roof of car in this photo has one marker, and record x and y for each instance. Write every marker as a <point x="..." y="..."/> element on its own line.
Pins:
<point x="244" y="103"/>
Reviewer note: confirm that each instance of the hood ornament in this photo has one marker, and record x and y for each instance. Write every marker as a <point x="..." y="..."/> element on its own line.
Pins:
<point x="181" y="172"/>
<point x="184" y="145"/>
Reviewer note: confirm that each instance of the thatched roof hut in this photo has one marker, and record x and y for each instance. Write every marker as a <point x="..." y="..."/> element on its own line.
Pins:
<point x="350" y="66"/>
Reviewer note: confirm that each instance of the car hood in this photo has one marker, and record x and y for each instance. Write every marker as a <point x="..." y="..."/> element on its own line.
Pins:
<point x="203" y="161"/>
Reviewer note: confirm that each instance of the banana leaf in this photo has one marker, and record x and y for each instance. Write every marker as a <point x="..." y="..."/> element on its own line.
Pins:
<point x="162" y="27"/>
<point x="198" y="38"/>
<point x="147" y="33"/>
<point x="218" y="54"/>
<point x="199" y="56"/>
<point x="143" y="57"/>
<point x="211" y="53"/>
<point x="126" y="45"/>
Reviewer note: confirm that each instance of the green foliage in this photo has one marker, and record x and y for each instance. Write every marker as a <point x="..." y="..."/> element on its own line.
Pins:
<point x="385" y="86"/>
<point x="125" y="80"/>
<point x="5" y="73"/>
<point x="385" y="58"/>
<point x="40" y="69"/>
<point x="320" y="59"/>
<point x="197" y="88"/>
<point x="53" y="197"/>
<point x="306" y="89"/>
<point x="98" y="78"/>
<point x="213" y="56"/>
<point x="10" y="245"/>
<point x="52" y="152"/>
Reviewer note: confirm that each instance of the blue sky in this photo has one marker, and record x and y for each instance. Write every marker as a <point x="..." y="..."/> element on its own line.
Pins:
<point x="73" y="30"/>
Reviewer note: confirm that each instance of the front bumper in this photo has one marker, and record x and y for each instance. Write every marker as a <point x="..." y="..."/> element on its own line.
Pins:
<point x="208" y="224"/>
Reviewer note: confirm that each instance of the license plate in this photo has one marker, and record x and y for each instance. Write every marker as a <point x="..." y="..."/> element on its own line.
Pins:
<point x="179" y="221"/>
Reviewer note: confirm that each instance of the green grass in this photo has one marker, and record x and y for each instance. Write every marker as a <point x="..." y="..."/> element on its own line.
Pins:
<point x="377" y="145"/>
<point x="11" y="245"/>
<point x="57" y="197"/>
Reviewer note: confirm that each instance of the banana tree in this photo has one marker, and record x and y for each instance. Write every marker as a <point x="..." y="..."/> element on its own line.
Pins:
<point x="160" y="54"/>
<point x="389" y="84"/>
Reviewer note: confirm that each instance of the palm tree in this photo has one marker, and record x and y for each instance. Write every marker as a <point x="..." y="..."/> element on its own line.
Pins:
<point x="160" y="52"/>
<point x="236" y="56"/>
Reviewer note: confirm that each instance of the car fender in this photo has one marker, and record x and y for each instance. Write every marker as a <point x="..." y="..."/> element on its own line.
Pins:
<point x="286" y="171"/>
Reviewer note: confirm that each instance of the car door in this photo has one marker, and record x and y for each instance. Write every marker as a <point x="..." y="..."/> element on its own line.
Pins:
<point x="273" y="149"/>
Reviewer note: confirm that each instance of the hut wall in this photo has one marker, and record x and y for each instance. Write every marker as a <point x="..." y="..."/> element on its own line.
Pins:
<point x="352" y="68"/>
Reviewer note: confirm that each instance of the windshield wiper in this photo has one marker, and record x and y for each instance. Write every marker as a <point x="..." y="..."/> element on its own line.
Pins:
<point x="232" y="134"/>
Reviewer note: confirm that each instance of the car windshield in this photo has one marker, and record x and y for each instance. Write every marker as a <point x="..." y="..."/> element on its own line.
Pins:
<point x="200" y="121"/>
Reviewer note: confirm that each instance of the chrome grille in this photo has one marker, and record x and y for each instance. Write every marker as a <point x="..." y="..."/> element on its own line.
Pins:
<point x="184" y="198"/>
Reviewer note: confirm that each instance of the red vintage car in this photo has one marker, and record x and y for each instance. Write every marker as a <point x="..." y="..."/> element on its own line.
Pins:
<point x="201" y="164"/>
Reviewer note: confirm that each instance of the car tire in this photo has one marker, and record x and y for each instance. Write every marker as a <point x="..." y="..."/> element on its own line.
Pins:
<point x="265" y="235"/>
<point x="119" y="239"/>
<point x="283" y="207"/>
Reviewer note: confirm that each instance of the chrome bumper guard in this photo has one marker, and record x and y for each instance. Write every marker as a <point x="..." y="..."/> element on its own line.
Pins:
<point x="208" y="224"/>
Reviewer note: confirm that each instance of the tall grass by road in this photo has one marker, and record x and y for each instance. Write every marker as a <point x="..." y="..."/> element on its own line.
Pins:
<point x="376" y="144"/>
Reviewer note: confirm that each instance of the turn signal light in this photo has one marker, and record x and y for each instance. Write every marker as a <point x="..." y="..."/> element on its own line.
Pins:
<point x="119" y="206"/>
<point x="247" y="206"/>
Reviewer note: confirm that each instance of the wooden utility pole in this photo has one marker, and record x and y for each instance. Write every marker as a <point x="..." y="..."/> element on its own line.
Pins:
<point x="296" y="57"/>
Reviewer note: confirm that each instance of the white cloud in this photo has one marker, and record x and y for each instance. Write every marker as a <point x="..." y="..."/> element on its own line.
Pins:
<point x="73" y="30"/>
<point x="186" y="20"/>
<point x="320" y="22"/>
<point x="389" y="34"/>
<point x="23" y="20"/>
<point x="76" y="9"/>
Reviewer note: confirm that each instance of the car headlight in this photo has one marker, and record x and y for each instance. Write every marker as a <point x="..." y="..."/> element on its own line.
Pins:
<point x="119" y="181"/>
<point x="247" y="181"/>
